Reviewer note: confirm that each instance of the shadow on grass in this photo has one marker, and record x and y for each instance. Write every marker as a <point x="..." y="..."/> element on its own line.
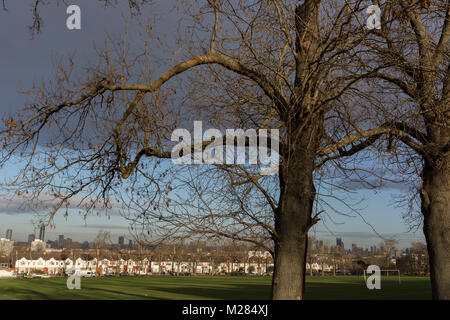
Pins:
<point x="231" y="292"/>
<point x="390" y="290"/>
<point x="27" y="294"/>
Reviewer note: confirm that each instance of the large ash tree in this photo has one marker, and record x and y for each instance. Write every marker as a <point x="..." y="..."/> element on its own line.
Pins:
<point x="286" y="65"/>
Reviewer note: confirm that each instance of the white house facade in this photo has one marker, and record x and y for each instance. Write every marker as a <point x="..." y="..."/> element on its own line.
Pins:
<point x="53" y="266"/>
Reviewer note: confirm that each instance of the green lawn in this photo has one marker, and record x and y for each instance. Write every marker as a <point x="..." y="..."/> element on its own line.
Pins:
<point x="163" y="287"/>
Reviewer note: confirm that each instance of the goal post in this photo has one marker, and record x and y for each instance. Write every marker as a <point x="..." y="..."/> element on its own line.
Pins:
<point x="394" y="272"/>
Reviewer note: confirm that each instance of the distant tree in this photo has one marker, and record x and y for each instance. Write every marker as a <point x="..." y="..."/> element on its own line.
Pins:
<point x="6" y="246"/>
<point x="64" y="255"/>
<point x="362" y="264"/>
<point x="101" y="242"/>
<point x="37" y="246"/>
<point x="389" y="247"/>
<point x="87" y="257"/>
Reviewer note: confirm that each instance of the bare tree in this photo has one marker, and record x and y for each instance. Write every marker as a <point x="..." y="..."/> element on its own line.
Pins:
<point x="6" y="246"/>
<point x="101" y="242"/>
<point x="389" y="247"/>
<point x="37" y="246"/>
<point x="103" y="140"/>
<point x="410" y="57"/>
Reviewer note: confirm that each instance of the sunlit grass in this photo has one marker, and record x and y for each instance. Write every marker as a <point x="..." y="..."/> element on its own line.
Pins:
<point x="206" y="287"/>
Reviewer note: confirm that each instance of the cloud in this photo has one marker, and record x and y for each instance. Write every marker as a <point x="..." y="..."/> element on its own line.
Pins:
<point x="11" y="210"/>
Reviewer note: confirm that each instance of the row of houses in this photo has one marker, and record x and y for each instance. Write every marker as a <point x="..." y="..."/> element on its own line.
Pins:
<point x="145" y="266"/>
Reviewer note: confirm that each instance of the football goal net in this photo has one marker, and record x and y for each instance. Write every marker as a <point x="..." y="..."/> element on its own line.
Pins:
<point x="386" y="273"/>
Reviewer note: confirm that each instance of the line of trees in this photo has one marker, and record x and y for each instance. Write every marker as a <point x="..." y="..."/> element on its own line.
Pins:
<point x="340" y="94"/>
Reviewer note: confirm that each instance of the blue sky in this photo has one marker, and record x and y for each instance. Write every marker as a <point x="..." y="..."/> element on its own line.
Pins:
<point x="24" y="61"/>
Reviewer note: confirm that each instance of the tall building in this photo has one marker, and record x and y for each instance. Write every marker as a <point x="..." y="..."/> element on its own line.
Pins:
<point x="42" y="232"/>
<point x="9" y="234"/>
<point x="339" y="243"/>
<point x="31" y="238"/>
<point x="61" y="241"/>
<point x="130" y="244"/>
<point x="354" y="247"/>
<point x="121" y="242"/>
<point x="68" y="243"/>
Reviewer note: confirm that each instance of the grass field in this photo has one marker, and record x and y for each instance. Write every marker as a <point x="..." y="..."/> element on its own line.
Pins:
<point x="163" y="287"/>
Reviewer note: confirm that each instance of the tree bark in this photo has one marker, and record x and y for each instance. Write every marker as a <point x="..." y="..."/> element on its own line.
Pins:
<point x="435" y="209"/>
<point x="293" y="217"/>
<point x="290" y="259"/>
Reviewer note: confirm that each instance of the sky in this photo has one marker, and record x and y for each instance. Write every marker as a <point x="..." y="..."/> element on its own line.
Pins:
<point x="24" y="61"/>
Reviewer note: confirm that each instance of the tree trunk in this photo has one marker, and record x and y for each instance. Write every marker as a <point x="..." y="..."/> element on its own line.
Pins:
<point x="293" y="220"/>
<point x="288" y="281"/>
<point x="435" y="210"/>
<point x="290" y="251"/>
<point x="304" y="128"/>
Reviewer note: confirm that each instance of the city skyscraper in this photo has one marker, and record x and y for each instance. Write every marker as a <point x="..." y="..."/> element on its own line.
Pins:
<point x="68" y="243"/>
<point x="42" y="232"/>
<point x="339" y="243"/>
<point x="61" y="241"/>
<point x="121" y="241"/>
<point x="9" y="234"/>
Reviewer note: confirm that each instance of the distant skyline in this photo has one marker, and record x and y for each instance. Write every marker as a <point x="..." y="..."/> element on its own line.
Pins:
<point x="77" y="230"/>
